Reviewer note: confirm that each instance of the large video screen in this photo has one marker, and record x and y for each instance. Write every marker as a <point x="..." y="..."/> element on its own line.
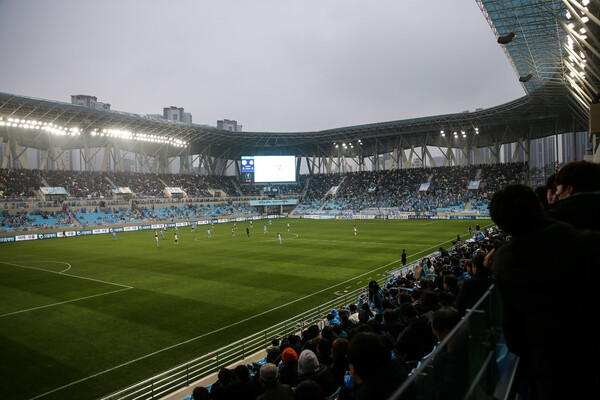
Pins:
<point x="265" y="169"/>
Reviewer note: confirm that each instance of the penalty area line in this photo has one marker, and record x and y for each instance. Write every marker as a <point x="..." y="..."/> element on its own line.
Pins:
<point x="63" y="302"/>
<point x="64" y="274"/>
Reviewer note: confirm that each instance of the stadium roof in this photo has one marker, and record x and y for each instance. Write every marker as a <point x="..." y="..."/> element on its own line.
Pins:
<point x="551" y="44"/>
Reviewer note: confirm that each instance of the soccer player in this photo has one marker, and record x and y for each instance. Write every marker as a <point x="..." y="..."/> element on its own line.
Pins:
<point x="156" y="238"/>
<point x="354" y="230"/>
<point x="269" y="223"/>
<point x="234" y="225"/>
<point x="176" y="239"/>
<point x="162" y="235"/>
<point x="264" y="228"/>
<point x="233" y="231"/>
<point x="248" y="231"/>
<point x="470" y="229"/>
<point x="114" y="235"/>
<point x="279" y="238"/>
<point x="288" y="226"/>
<point x="176" y="230"/>
<point x="208" y="231"/>
<point x="251" y="224"/>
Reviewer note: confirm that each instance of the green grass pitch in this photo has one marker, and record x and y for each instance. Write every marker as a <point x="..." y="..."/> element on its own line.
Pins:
<point x="85" y="316"/>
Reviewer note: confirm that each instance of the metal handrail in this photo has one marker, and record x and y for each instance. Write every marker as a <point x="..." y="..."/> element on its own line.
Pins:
<point x="482" y="369"/>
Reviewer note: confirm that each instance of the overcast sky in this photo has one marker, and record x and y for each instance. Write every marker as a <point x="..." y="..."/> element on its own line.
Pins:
<point x="271" y="65"/>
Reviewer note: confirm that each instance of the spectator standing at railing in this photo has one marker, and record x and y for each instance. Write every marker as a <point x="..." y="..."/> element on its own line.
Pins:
<point x="546" y="333"/>
<point x="375" y="298"/>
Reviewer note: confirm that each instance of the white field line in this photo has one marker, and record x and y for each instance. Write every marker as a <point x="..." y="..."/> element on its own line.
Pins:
<point x="124" y="287"/>
<point x="71" y="275"/>
<point x="63" y="302"/>
<point x="348" y="241"/>
<point x="45" y="261"/>
<point x="228" y="326"/>
<point x="433" y="222"/>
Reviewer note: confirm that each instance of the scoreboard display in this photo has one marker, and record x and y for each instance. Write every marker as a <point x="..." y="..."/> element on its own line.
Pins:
<point x="268" y="169"/>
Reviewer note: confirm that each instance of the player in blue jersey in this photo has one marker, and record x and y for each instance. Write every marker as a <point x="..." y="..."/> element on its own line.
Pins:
<point x="156" y="238"/>
<point x="279" y="238"/>
<point x="208" y="231"/>
<point x="264" y="228"/>
<point x="114" y="235"/>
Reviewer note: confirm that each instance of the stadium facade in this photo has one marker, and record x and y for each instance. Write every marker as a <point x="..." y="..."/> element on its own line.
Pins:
<point x="552" y="46"/>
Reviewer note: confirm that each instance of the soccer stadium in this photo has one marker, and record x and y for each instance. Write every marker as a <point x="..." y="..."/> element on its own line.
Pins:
<point x="411" y="259"/>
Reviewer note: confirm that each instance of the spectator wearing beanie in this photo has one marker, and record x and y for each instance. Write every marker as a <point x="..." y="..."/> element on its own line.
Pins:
<point x="274" y="390"/>
<point x="310" y="369"/>
<point x="288" y="371"/>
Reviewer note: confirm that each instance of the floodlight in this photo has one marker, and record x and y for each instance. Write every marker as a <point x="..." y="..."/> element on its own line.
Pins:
<point x="506" y="39"/>
<point x="525" y="78"/>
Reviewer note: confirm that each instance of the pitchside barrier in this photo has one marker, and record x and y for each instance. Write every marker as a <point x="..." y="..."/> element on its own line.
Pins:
<point x="117" y="229"/>
<point x="184" y="375"/>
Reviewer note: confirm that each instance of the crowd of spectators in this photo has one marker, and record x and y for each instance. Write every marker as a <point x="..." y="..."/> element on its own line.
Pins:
<point x="396" y="190"/>
<point x="70" y="217"/>
<point x="399" y="188"/>
<point x="81" y="184"/>
<point x="17" y="184"/>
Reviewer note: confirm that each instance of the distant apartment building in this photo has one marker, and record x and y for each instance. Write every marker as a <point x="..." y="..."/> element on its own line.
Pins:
<point x="177" y="114"/>
<point x="229" y="125"/>
<point x="89" y="101"/>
